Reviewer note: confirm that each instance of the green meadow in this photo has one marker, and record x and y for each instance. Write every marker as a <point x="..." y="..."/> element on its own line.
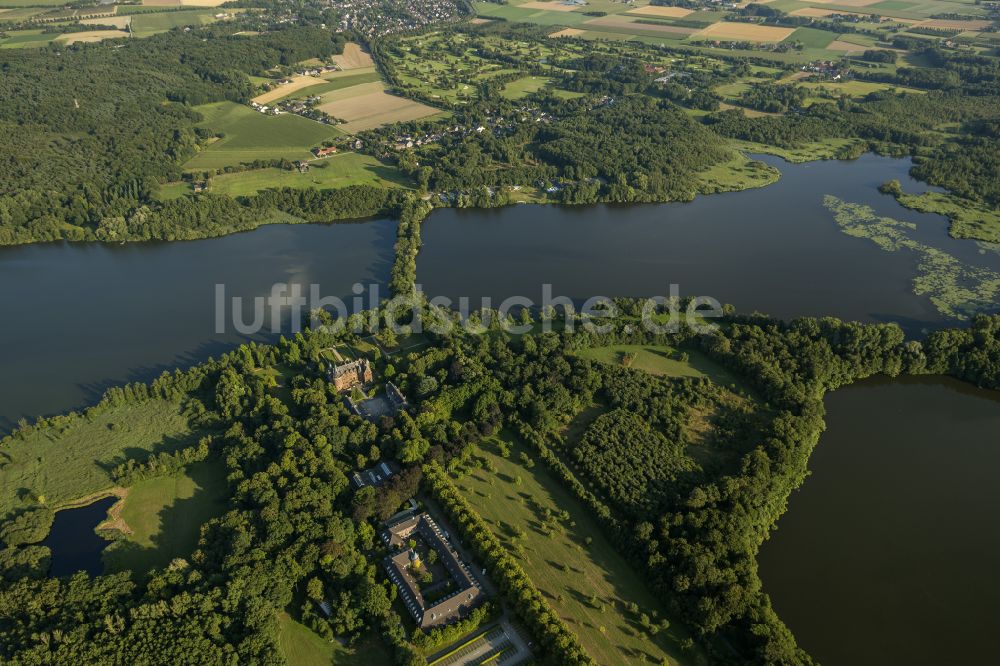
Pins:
<point x="330" y="172"/>
<point x="301" y="646"/>
<point x="61" y="464"/>
<point x="249" y="135"/>
<point x="568" y="558"/>
<point x="165" y="515"/>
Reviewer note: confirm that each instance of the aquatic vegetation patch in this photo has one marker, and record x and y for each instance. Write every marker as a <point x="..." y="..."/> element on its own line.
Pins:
<point x="955" y="288"/>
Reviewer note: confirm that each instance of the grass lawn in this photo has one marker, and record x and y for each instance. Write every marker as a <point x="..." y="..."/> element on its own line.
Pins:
<point x="523" y="87"/>
<point x="71" y="462"/>
<point x="166" y="515"/>
<point x="737" y="174"/>
<point x="563" y="567"/>
<point x="250" y="135"/>
<point x="301" y="646"/>
<point x="331" y="172"/>
<point x="658" y="360"/>
<point x="169" y="191"/>
<point x="19" y="39"/>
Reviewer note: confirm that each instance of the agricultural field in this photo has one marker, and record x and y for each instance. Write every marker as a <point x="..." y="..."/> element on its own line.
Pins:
<point x="249" y="135"/>
<point x="564" y="552"/>
<point x="146" y="24"/>
<point x="370" y="105"/>
<point x="330" y="82"/>
<point x="702" y="30"/>
<point x="91" y="36"/>
<point x="162" y="517"/>
<point x="329" y="172"/>
<point x="285" y="90"/>
<point x="64" y="463"/>
<point x="353" y="57"/>
<point x="740" y="32"/>
<point x="20" y="39"/>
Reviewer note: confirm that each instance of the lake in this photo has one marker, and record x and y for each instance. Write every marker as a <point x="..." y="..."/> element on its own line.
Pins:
<point x="74" y="544"/>
<point x="776" y="249"/>
<point x="83" y="317"/>
<point x="888" y="552"/>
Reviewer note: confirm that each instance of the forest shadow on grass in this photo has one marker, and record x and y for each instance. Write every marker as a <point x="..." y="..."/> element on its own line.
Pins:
<point x="166" y="515"/>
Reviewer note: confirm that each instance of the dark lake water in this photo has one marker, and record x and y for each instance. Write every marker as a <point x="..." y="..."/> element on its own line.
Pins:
<point x="776" y="249"/>
<point x="82" y="317"/>
<point x="888" y="553"/>
<point x="74" y="544"/>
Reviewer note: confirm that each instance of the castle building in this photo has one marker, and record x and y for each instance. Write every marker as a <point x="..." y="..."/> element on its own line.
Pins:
<point x="348" y="375"/>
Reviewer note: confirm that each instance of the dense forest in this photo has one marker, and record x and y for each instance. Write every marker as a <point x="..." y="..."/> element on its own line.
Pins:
<point x="87" y="132"/>
<point x="296" y="532"/>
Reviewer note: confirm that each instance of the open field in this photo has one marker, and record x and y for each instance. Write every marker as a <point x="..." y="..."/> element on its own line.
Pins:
<point x="67" y="463"/>
<point x="744" y="32"/>
<point x="353" y="57"/>
<point x="295" y="83"/>
<point x="662" y="12"/>
<point x="120" y="22"/>
<point x="165" y="515"/>
<point x="91" y="36"/>
<point x="369" y="105"/>
<point x="20" y="39"/>
<point x="151" y="23"/>
<point x="301" y="646"/>
<point x="589" y="585"/>
<point x="250" y="135"/>
<point x="567" y="32"/>
<point x="660" y="360"/>
<point x="955" y="24"/>
<point x="521" y="87"/>
<point x="336" y="81"/>
<point x="329" y="172"/>
<point x="631" y="26"/>
<point x="548" y="6"/>
<point x="39" y="3"/>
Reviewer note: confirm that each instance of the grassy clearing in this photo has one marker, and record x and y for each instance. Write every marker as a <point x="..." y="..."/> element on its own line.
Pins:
<point x="249" y="135"/>
<point x="661" y="360"/>
<point x="327" y="173"/>
<point x="301" y="646"/>
<point x="165" y="515"/>
<point x="567" y="570"/>
<point x="65" y="464"/>
<point x="735" y="175"/>
<point x="524" y="87"/>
